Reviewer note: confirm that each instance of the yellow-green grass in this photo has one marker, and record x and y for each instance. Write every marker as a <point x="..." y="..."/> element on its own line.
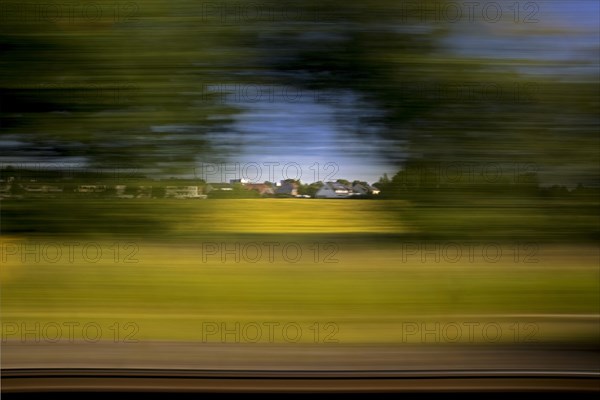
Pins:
<point x="372" y="294"/>
<point x="291" y="216"/>
<point x="192" y="218"/>
<point x="177" y="219"/>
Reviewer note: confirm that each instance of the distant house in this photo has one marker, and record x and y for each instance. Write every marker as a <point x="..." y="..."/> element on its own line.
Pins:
<point x="184" y="192"/>
<point x="5" y="184"/>
<point x="90" y="188"/>
<point x="120" y="192"/>
<point x="42" y="188"/>
<point x="262" y="188"/>
<point x="334" y="190"/>
<point x="5" y="188"/>
<point x="288" y="188"/>
<point x="219" y="186"/>
<point x="363" y="188"/>
<point x="143" y="192"/>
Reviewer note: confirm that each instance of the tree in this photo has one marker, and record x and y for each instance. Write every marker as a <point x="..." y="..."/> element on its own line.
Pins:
<point x="310" y="189"/>
<point x="128" y="88"/>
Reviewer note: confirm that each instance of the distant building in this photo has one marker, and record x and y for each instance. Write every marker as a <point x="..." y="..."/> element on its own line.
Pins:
<point x="120" y="192"/>
<point x="184" y="192"/>
<point x="6" y="186"/>
<point x="218" y="186"/>
<point x="289" y="188"/>
<point x="363" y="188"/>
<point x="334" y="190"/>
<point x="143" y="192"/>
<point x="90" y="188"/>
<point x="262" y="188"/>
<point x="42" y="188"/>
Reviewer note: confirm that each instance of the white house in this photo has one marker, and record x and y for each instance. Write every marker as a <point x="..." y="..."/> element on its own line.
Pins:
<point x="364" y="188"/>
<point x="334" y="190"/>
<point x="42" y="188"/>
<point x="219" y="186"/>
<point x="183" y="192"/>
<point x="91" y="188"/>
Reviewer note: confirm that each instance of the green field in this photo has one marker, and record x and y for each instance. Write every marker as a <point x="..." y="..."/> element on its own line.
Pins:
<point x="369" y="291"/>
<point x="355" y="268"/>
<point x="193" y="218"/>
<point x="554" y="221"/>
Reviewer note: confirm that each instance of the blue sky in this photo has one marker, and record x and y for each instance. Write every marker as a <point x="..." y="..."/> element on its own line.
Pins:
<point x="309" y="133"/>
<point x="303" y="137"/>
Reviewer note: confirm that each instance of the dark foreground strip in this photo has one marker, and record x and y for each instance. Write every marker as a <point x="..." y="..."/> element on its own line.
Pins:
<point x="186" y="381"/>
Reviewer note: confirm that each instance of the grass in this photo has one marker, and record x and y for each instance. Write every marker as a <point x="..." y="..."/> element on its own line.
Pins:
<point x="356" y="268"/>
<point x="193" y="218"/>
<point x="370" y="294"/>
<point x="185" y="219"/>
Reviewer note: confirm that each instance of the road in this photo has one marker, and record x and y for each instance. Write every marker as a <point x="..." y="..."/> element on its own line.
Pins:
<point x="188" y="366"/>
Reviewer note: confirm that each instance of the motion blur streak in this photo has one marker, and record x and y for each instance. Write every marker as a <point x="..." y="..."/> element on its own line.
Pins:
<point x="380" y="185"/>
